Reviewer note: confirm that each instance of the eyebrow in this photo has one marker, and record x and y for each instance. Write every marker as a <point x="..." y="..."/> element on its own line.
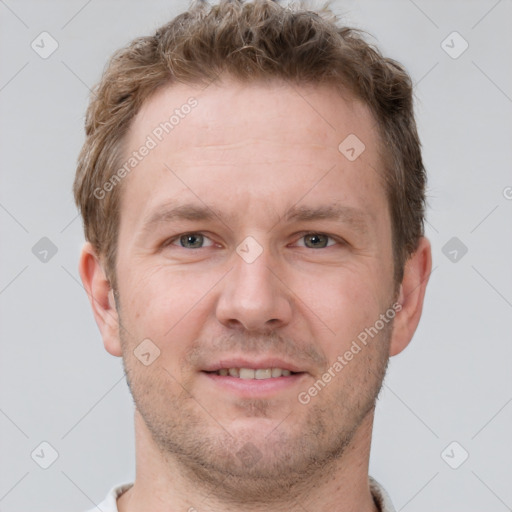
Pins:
<point x="354" y="217"/>
<point x="350" y="215"/>
<point x="169" y="213"/>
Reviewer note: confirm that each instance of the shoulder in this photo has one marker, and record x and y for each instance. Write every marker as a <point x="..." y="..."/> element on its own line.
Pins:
<point x="380" y="496"/>
<point x="109" y="504"/>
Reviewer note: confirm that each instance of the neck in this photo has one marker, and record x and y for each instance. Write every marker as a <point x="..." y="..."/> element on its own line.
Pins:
<point x="164" y="484"/>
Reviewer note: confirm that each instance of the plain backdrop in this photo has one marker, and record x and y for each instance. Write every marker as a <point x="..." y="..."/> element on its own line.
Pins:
<point x="445" y="398"/>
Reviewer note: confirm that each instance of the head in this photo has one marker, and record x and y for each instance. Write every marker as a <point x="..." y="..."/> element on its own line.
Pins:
<point x="244" y="111"/>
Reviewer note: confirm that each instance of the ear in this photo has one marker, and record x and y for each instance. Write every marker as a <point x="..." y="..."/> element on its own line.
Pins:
<point x="101" y="297"/>
<point x="412" y="292"/>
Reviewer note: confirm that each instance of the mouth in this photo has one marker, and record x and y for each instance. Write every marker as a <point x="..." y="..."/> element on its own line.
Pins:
<point x="254" y="373"/>
<point x="261" y="379"/>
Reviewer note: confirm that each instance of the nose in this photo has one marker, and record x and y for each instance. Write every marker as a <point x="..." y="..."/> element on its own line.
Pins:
<point x="254" y="296"/>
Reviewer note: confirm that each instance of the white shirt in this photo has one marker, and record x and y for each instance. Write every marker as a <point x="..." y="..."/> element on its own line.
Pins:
<point x="109" y="504"/>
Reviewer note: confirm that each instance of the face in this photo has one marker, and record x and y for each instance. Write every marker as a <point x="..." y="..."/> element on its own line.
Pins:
<point x="249" y="240"/>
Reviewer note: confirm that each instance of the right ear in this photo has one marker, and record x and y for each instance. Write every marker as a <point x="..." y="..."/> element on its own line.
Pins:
<point x="101" y="297"/>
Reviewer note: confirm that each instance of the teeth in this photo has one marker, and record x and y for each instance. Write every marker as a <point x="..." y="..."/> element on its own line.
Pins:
<point x="249" y="373"/>
<point x="263" y="374"/>
<point x="276" y="372"/>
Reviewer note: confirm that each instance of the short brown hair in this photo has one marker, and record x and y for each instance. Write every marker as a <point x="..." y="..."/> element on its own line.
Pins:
<point x="251" y="41"/>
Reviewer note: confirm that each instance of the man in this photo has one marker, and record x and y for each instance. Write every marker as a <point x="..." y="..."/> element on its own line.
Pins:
<point x="252" y="190"/>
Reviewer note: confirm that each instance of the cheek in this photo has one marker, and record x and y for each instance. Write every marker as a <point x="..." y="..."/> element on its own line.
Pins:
<point x="162" y="302"/>
<point x="341" y="304"/>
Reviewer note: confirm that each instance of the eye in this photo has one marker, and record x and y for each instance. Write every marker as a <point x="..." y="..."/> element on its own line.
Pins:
<point x="190" y="241"/>
<point x="317" y="240"/>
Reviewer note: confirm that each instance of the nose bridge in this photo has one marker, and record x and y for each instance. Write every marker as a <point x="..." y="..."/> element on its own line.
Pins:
<point x="252" y="295"/>
<point x="252" y="267"/>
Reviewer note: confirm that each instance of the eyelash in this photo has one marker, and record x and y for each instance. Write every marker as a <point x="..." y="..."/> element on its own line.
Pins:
<point x="338" y="240"/>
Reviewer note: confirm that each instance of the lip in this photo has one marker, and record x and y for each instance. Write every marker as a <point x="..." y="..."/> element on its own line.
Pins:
<point x="241" y="362"/>
<point x="255" y="388"/>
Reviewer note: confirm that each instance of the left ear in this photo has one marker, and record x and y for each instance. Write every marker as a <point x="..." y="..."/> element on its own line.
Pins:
<point x="412" y="292"/>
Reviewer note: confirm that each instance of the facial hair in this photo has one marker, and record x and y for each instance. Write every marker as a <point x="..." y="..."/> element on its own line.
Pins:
<point x="244" y="465"/>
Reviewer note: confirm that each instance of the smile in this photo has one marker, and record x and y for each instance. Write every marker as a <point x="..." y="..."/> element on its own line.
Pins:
<point x="250" y="373"/>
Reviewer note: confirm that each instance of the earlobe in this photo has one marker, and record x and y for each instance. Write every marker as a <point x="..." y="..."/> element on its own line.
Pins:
<point x="101" y="297"/>
<point x="412" y="292"/>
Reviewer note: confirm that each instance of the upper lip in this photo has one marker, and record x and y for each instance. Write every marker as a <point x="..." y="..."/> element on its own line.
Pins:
<point x="241" y="362"/>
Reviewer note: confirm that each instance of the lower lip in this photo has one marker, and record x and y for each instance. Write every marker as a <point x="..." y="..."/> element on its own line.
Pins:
<point x="255" y="387"/>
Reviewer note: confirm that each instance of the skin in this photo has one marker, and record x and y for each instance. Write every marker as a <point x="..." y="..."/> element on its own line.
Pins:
<point x="250" y="153"/>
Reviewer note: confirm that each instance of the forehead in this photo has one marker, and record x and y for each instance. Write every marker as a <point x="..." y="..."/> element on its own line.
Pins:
<point x="261" y="141"/>
<point x="227" y="110"/>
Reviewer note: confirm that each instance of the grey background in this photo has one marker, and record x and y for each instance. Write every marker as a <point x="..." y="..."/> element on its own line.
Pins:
<point x="453" y="383"/>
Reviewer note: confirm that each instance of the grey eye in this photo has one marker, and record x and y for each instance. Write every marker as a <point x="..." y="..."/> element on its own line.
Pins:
<point x="316" y="240"/>
<point x="192" y="240"/>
